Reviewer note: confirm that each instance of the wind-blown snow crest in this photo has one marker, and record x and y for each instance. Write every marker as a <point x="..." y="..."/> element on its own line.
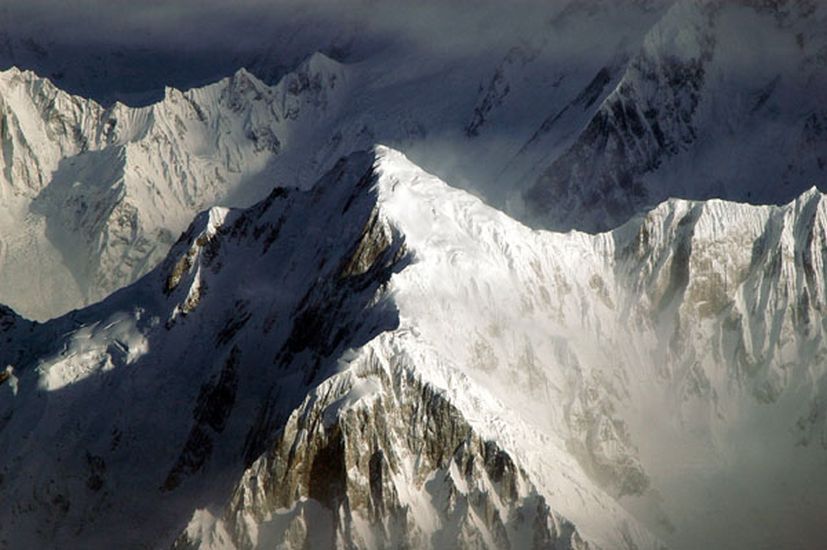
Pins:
<point x="564" y="348"/>
<point x="569" y="388"/>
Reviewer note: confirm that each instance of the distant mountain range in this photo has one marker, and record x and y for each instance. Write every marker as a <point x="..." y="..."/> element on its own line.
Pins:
<point x="575" y="299"/>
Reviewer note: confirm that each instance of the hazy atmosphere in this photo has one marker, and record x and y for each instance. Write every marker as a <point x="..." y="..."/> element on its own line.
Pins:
<point x="423" y="274"/>
<point x="190" y="42"/>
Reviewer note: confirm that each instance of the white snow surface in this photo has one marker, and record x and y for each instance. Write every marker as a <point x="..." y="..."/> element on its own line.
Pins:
<point x="649" y="381"/>
<point x="94" y="195"/>
<point x="557" y="128"/>
<point x="661" y="383"/>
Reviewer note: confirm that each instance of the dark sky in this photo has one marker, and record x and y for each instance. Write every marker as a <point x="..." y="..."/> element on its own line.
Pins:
<point x="245" y="23"/>
<point x="130" y="49"/>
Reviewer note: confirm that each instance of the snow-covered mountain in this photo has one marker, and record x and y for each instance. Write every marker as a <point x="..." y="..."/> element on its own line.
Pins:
<point x="307" y="270"/>
<point x="615" y="104"/>
<point x="724" y="99"/>
<point x="95" y="194"/>
<point x="348" y="351"/>
<point x="689" y="99"/>
<point x="385" y="360"/>
<point x="93" y="197"/>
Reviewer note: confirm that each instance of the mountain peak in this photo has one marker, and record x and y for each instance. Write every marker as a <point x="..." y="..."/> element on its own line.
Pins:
<point x="16" y="72"/>
<point x="303" y="321"/>
<point x="320" y="62"/>
<point x="243" y="79"/>
<point x="34" y="83"/>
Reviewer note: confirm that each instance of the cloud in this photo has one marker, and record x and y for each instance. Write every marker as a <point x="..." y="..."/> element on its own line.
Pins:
<point x="195" y="23"/>
<point x="114" y="48"/>
<point x="196" y="40"/>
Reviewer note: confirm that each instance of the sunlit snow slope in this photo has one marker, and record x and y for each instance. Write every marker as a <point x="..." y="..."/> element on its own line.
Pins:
<point x="386" y="360"/>
<point x="93" y="197"/>
<point x="582" y="117"/>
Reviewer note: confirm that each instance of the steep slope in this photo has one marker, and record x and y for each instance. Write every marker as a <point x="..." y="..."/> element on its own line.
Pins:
<point x="252" y="310"/>
<point x="375" y="457"/>
<point x="194" y="301"/>
<point x="386" y="360"/>
<point x="721" y="101"/>
<point x="98" y="194"/>
<point x="672" y="362"/>
<point x="546" y="89"/>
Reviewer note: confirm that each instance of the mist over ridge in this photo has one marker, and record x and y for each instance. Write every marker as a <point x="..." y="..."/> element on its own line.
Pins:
<point x="464" y="274"/>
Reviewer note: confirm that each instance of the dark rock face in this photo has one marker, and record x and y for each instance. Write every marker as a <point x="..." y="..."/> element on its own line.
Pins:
<point x="629" y="136"/>
<point x="245" y="346"/>
<point x="691" y="118"/>
<point x="352" y="460"/>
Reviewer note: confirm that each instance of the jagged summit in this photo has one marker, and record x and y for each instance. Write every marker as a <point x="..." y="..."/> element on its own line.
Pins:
<point x="99" y="193"/>
<point x="560" y="131"/>
<point x="285" y="261"/>
<point x="351" y="351"/>
<point x="554" y="376"/>
<point x="697" y="114"/>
